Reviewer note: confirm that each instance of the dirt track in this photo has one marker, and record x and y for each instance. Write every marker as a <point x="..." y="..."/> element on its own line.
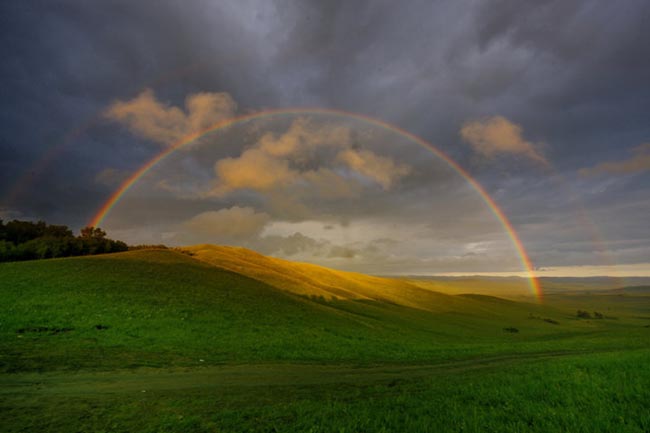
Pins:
<point x="244" y="375"/>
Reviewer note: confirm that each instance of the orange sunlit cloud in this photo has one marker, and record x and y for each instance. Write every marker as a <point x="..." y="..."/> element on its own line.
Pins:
<point x="149" y="118"/>
<point x="497" y="135"/>
<point x="639" y="162"/>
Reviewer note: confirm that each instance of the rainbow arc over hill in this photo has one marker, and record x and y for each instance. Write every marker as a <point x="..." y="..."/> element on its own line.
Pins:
<point x="492" y="205"/>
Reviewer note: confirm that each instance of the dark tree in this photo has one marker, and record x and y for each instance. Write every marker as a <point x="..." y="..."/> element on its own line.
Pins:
<point x="92" y="233"/>
<point x="27" y="240"/>
<point x="55" y="231"/>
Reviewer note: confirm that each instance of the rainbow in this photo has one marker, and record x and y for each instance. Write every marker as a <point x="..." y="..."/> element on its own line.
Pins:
<point x="498" y="213"/>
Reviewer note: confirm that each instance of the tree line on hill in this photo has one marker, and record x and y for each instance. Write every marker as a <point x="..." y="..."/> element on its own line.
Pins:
<point x="27" y="240"/>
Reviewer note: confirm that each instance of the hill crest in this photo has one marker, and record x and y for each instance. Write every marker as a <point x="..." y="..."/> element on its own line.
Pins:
<point x="311" y="280"/>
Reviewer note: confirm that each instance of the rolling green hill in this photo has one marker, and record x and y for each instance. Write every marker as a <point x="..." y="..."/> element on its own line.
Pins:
<point x="153" y="308"/>
<point x="229" y="326"/>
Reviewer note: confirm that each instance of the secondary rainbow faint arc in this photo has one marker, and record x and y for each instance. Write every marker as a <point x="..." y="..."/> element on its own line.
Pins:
<point x="128" y="183"/>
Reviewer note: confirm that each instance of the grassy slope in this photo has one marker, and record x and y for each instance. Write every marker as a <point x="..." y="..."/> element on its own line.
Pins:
<point x="317" y="281"/>
<point x="162" y="307"/>
<point x="187" y="318"/>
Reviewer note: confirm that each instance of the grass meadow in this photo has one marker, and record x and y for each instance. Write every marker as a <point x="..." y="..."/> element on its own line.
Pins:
<point x="158" y="341"/>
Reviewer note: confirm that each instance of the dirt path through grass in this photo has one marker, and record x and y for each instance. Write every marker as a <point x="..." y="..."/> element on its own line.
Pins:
<point x="245" y="375"/>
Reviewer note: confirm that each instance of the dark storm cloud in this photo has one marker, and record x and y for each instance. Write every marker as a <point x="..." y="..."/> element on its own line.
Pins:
<point x="571" y="74"/>
<point x="546" y="64"/>
<point x="66" y="61"/>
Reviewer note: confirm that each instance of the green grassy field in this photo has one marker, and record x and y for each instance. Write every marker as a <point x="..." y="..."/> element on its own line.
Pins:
<point x="157" y="341"/>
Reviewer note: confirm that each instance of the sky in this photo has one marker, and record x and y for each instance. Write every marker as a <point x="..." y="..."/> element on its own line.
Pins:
<point x="545" y="104"/>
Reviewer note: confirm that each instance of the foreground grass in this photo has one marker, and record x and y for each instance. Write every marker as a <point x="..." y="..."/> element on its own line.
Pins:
<point x="82" y="338"/>
<point x="604" y="393"/>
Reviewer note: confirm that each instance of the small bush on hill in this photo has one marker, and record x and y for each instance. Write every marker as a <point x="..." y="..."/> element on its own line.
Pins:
<point x="148" y="247"/>
<point x="583" y="314"/>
